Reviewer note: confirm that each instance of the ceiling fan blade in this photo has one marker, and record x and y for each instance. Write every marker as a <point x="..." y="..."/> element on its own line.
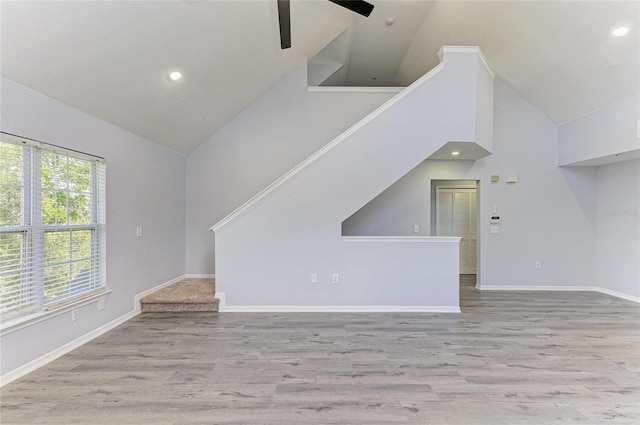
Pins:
<point x="284" y="17"/>
<point x="358" y="6"/>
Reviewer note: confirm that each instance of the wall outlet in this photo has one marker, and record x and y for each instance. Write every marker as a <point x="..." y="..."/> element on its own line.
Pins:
<point x="75" y="314"/>
<point x="495" y="229"/>
<point x="314" y="277"/>
<point x="416" y="228"/>
<point x="101" y="304"/>
<point x="538" y="265"/>
<point x="138" y="232"/>
<point x="335" y="278"/>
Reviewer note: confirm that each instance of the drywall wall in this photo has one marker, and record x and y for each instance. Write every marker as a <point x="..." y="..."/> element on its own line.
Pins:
<point x="283" y="127"/>
<point x="606" y="135"/>
<point x="618" y="228"/>
<point x="547" y="216"/>
<point x="396" y="210"/>
<point x="484" y="115"/>
<point x="266" y="254"/>
<point x="145" y="187"/>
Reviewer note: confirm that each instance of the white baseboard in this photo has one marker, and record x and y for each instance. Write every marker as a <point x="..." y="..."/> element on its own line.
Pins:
<point x="558" y="288"/>
<point x="533" y="288"/>
<point x="31" y="366"/>
<point x="224" y="308"/>
<point x="618" y="294"/>
<point x="200" y="276"/>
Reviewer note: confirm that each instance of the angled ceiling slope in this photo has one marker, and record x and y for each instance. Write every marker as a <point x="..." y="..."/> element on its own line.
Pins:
<point x="559" y="55"/>
<point x="111" y="59"/>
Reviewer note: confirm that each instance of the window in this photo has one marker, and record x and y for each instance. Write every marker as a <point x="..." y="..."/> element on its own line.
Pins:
<point x="52" y="226"/>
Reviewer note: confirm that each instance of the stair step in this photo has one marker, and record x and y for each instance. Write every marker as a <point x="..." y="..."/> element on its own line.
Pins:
<point x="180" y="307"/>
<point x="187" y="295"/>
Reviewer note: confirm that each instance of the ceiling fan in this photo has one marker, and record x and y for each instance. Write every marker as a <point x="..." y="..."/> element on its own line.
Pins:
<point x="284" y="16"/>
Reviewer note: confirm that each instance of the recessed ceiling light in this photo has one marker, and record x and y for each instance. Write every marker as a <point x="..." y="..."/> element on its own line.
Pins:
<point x="175" y="76"/>
<point x="390" y="21"/>
<point x="455" y="153"/>
<point x="620" y="31"/>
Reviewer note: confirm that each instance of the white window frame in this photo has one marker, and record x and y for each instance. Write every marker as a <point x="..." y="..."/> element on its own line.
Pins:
<point x="33" y="231"/>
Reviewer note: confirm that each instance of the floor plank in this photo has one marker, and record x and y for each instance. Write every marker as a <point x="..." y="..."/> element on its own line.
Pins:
<point x="509" y="358"/>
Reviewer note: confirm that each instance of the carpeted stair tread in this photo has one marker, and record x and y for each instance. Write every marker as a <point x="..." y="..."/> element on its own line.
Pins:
<point x="187" y="295"/>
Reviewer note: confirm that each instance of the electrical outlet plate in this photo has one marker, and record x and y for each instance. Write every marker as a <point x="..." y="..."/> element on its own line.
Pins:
<point x="538" y="265"/>
<point x="495" y="229"/>
<point x="416" y="228"/>
<point x="75" y="315"/>
<point x="335" y="278"/>
<point x="139" y="232"/>
<point x="101" y="303"/>
<point x="314" y="277"/>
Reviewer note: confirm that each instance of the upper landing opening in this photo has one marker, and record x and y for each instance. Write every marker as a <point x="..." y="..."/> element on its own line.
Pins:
<point x="332" y="67"/>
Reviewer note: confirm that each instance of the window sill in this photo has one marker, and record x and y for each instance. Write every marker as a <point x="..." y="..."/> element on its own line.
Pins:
<point x="14" y="324"/>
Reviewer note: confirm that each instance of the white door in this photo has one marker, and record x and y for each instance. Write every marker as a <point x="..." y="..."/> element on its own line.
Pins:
<point x="456" y="216"/>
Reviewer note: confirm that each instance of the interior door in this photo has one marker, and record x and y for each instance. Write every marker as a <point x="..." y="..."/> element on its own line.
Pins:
<point x="456" y="216"/>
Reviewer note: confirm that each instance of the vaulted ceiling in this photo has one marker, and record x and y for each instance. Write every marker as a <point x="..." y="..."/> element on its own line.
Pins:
<point x="111" y="59"/>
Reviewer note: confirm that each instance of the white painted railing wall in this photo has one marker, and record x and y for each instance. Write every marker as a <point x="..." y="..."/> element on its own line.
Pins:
<point x="605" y="136"/>
<point x="267" y="250"/>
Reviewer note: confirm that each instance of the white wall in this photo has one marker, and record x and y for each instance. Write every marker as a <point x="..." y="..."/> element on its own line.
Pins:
<point x="266" y="255"/>
<point x="282" y="128"/>
<point x="484" y="115"/>
<point x="601" y="135"/>
<point x="407" y="202"/>
<point x="145" y="187"/>
<point x="547" y="216"/>
<point x="618" y="228"/>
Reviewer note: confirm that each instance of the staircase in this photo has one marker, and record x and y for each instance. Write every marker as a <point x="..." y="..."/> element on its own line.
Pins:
<point x="187" y="295"/>
<point x="283" y="249"/>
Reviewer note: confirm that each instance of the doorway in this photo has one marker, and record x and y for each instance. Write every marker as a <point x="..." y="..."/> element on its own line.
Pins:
<point x="454" y="213"/>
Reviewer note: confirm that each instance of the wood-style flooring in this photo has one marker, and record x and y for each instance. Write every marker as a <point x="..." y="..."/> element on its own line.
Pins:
<point x="510" y="358"/>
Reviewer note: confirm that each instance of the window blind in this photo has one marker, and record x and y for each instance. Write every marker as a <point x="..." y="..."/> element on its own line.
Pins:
<point x="52" y="225"/>
<point x="18" y="292"/>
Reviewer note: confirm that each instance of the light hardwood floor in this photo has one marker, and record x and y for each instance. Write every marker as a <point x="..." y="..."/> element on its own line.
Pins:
<point x="509" y="358"/>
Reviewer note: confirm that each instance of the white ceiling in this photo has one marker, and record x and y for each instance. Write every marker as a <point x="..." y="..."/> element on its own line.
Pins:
<point x="560" y="55"/>
<point x="376" y="49"/>
<point x="111" y="58"/>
